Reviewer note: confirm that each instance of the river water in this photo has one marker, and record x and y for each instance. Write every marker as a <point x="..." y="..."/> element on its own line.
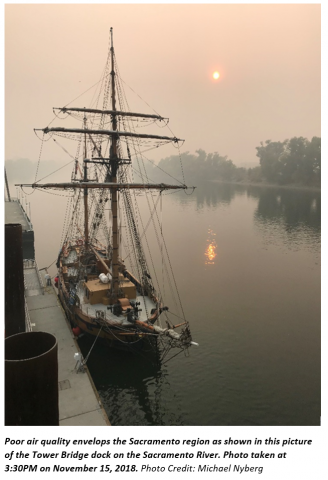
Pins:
<point x="247" y="264"/>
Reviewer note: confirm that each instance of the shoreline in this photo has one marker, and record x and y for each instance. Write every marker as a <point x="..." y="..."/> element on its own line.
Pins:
<point x="269" y="185"/>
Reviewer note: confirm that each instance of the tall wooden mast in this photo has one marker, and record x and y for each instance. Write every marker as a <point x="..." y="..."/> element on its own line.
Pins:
<point x="85" y="178"/>
<point x="112" y="162"/>
<point x="114" y="193"/>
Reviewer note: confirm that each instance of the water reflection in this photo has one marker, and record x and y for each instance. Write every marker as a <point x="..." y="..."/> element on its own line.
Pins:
<point x="290" y="210"/>
<point x="210" y="252"/>
<point x="292" y="207"/>
<point x="295" y="213"/>
<point x="210" y="194"/>
<point x="134" y="388"/>
<point x="261" y="347"/>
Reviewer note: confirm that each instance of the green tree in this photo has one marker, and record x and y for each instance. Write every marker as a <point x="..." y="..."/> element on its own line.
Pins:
<point x="272" y="158"/>
<point x="293" y="161"/>
<point x="314" y="156"/>
<point x="296" y="165"/>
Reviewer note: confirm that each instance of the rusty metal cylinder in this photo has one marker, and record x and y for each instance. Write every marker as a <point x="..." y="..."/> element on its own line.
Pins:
<point x="14" y="280"/>
<point x="31" y="379"/>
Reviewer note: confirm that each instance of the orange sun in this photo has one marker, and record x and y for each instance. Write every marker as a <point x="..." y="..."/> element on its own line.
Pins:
<point x="216" y="75"/>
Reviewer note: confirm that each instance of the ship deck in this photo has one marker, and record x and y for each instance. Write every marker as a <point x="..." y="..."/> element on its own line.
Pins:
<point x="146" y="305"/>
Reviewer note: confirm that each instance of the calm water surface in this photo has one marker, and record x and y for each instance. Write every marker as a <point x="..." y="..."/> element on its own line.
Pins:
<point x="247" y="263"/>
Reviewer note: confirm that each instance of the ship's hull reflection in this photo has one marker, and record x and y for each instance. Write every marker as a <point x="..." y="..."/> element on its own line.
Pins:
<point x="133" y="387"/>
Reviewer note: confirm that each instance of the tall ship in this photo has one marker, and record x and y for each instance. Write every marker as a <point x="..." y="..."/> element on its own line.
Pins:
<point x="114" y="297"/>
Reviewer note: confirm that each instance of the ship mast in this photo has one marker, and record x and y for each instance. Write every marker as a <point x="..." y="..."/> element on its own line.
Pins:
<point x="114" y="194"/>
<point x="112" y="162"/>
<point x="85" y="178"/>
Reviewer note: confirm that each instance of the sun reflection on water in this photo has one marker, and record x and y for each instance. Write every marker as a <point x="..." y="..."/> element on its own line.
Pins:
<point x="210" y="252"/>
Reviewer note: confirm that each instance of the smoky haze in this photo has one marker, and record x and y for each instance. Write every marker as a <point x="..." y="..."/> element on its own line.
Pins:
<point x="246" y="259"/>
<point x="268" y="57"/>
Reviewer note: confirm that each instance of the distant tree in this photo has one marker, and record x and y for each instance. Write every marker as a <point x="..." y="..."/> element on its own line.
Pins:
<point x="293" y="161"/>
<point x="200" y="167"/>
<point x="296" y="168"/>
<point x="272" y="158"/>
<point x="314" y="155"/>
<point x="240" y="174"/>
<point x="255" y="174"/>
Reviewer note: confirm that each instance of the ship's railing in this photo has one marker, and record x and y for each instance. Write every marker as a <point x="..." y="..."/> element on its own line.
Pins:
<point x="91" y="312"/>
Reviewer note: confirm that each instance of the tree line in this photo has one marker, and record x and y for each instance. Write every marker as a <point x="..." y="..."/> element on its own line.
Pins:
<point x="292" y="162"/>
<point x="296" y="161"/>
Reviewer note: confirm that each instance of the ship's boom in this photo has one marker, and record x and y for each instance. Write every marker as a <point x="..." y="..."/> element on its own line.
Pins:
<point x="109" y="185"/>
<point x="110" y="112"/>
<point x="113" y="133"/>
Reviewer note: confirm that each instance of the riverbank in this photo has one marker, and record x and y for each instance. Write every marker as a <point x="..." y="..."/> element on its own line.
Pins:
<point x="268" y="185"/>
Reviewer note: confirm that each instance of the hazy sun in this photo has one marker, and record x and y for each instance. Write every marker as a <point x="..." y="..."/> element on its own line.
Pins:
<point x="216" y="75"/>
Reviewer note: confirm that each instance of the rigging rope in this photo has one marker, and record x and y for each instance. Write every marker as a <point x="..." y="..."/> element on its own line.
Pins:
<point x="161" y="249"/>
<point x="146" y="175"/>
<point x="88" y="355"/>
<point x="37" y="168"/>
<point x="132" y="211"/>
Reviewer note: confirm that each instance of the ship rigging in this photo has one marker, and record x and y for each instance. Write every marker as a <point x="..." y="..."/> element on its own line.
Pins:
<point x="123" y="305"/>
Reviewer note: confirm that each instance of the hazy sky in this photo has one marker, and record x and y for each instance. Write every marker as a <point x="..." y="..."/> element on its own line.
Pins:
<point x="268" y="57"/>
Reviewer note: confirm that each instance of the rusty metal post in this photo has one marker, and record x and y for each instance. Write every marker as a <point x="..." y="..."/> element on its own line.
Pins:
<point x="14" y="280"/>
<point x="31" y="379"/>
